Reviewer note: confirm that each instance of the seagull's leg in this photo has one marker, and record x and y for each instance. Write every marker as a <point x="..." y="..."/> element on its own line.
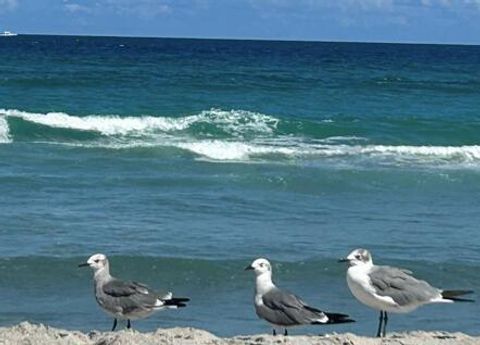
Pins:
<point x="114" y="324"/>
<point x="385" y="320"/>
<point x="274" y="332"/>
<point x="129" y="324"/>
<point x="286" y="332"/>
<point x="380" y="321"/>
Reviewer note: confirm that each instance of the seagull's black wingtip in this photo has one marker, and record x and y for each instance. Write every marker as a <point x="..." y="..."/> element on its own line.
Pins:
<point x="453" y="295"/>
<point x="338" y="318"/>
<point x="178" y="302"/>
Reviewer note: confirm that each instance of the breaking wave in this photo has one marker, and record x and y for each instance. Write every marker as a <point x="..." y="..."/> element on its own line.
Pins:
<point x="219" y="135"/>
<point x="234" y="122"/>
<point x="4" y="131"/>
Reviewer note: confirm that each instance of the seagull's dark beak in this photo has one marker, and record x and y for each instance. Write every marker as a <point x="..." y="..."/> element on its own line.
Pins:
<point x="249" y="268"/>
<point x="85" y="264"/>
<point x="343" y="260"/>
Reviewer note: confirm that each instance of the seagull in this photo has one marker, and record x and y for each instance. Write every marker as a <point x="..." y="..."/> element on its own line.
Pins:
<point x="283" y="309"/>
<point x="391" y="289"/>
<point x="126" y="300"/>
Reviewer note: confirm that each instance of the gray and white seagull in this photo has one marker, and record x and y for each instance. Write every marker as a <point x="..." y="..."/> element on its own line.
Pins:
<point x="126" y="300"/>
<point x="283" y="309"/>
<point x="391" y="289"/>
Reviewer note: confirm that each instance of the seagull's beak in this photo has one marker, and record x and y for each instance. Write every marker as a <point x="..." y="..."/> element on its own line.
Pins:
<point x="343" y="260"/>
<point x="249" y="268"/>
<point x="85" y="264"/>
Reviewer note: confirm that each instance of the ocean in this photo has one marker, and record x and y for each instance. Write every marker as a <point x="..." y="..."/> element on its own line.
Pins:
<point x="183" y="160"/>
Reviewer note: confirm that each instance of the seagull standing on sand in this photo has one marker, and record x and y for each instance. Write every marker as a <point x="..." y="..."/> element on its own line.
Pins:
<point x="283" y="309"/>
<point x="391" y="289"/>
<point x="126" y="300"/>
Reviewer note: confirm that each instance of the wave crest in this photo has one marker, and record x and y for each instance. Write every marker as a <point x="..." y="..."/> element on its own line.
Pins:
<point x="235" y="135"/>
<point x="4" y="131"/>
<point x="234" y="122"/>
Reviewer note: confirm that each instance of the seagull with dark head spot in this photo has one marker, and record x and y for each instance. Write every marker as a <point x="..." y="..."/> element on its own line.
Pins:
<point x="391" y="289"/>
<point x="126" y="300"/>
<point x="283" y="309"/>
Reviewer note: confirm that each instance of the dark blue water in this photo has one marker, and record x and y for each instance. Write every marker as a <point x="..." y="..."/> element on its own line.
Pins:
<point x="183" y="160"/>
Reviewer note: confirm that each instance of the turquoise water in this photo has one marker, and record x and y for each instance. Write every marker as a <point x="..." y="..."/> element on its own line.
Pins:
<point x="183" y="160"/>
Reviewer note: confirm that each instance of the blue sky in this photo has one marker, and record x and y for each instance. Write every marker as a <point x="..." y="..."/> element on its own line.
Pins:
<point x="433" y="21"/>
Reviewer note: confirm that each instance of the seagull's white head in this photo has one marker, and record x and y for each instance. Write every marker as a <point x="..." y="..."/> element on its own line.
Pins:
<point x="260" y="266"/>
<point x="96" y="262"/>
<point x="359" y="257"/>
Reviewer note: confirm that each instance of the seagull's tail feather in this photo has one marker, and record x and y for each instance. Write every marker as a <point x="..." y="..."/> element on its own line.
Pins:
<point x="331" y="317"/>
<point x="453" y="295"/>
<point x="175" y="302"/>
<point x="338" y="318"/>
<point x="328" y="317"/>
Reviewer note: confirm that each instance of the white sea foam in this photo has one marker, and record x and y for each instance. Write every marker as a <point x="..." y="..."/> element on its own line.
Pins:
<point x="4" y="131"/>
<point x="239" y="121"/>
<point x="405" y="152"/>
<point x="233" y="151"/>
<point x="264" y="144"/>
<point x="106" y="125"/>
<point x="234" y="122"/>
<point x="224" y="150"/>
<point x="343" y="139"/>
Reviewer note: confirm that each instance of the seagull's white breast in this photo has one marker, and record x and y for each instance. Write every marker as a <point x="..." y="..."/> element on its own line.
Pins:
<point x="361" y="287"/>
<point x="258" y="300"/>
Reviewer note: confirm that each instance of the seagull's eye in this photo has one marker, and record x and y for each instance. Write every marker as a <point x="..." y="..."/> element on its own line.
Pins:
<point x="97" y="261"/>
<point x="358" y="257"/>
<point x="261" y="265"/>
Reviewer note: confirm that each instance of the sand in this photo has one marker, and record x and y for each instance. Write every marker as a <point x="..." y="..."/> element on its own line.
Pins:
<point x="26" y="334"/>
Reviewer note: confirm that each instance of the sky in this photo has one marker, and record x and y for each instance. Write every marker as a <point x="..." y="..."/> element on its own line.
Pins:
<point x="422" y="21"/>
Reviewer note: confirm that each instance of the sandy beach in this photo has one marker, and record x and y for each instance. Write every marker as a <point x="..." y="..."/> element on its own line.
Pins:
<point x="26" y="333"/>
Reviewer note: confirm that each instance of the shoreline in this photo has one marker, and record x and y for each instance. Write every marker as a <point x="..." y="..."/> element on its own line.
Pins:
<point x="27" y="333"/>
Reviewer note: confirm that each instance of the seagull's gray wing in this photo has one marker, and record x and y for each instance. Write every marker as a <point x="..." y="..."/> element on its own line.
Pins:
<point x="118" y="288"/>
<point x="285" y="309"/>
<point x="128" y="296"/>
<point x="403" y="288"/>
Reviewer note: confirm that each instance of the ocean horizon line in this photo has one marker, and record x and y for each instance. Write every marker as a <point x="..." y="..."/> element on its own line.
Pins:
<point x="253" y="39"/>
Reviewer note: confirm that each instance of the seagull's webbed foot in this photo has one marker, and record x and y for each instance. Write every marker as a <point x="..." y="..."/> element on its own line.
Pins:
<point x="286" y="332"/>
<point x="114" y="324"/>
<point x="129" y="324"/>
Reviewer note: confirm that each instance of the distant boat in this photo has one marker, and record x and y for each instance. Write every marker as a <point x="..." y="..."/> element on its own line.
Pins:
<point x="8" y="34"/>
